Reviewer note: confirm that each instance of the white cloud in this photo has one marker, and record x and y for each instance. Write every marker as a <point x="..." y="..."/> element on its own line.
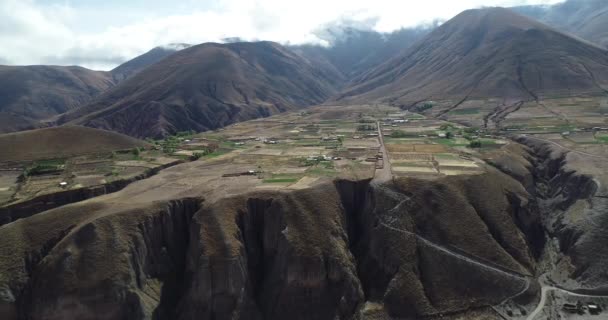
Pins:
<point x="98" y="36"/>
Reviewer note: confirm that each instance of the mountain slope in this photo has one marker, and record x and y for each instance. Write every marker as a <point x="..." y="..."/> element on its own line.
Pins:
<point x="62" y="142"/>
<point x="354" y="51"/>
<point x="206" y="87"/>
<point x="138" y="63"/>
<point x="31" y="93"/>
<point x="490" y="52"/>
<point x="587" y="19"/>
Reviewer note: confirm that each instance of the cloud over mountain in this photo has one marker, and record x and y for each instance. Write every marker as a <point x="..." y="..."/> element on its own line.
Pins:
<point x="89" y="34"/>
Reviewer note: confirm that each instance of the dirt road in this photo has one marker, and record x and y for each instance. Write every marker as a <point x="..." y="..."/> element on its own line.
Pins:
<point x="385" y="174"/>
<point x="543" y="298"/>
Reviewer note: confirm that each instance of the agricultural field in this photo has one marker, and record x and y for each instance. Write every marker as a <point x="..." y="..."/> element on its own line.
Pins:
<point x="24" y="180"/>
<point x="298" y="149"/>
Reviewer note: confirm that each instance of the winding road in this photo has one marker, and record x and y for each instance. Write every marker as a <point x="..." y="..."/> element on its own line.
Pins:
<point x="385" y="175"/>
<point x="545" y="289"/>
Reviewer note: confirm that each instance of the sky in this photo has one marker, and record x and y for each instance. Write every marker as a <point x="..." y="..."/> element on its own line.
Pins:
<point x="100" y="34"/>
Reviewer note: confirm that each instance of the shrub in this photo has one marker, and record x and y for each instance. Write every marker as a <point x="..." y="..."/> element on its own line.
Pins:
<point x="475" y="144"/>
<point x="398" y="134"/>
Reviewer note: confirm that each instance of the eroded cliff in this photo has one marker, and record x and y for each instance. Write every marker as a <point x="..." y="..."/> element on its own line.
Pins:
<point x="342" y="250"/>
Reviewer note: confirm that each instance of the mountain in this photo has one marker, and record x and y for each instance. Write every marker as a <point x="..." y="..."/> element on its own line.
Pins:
<point x="138" y="63"/>
<point x="61" y="142"/>
<point x="352" y="51"/>
<point x="32" y="93"/>
<point x="490" y="52"/>
<point x="206" y="87"/>
<point x="587" y="19"/>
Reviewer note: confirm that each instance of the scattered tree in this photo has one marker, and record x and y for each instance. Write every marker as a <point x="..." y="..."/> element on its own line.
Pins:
<point x="475" y="144"/>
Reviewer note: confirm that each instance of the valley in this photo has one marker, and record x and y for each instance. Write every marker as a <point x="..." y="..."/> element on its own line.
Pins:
<point x="453" y="170"/>
<point x="365" y="163"/>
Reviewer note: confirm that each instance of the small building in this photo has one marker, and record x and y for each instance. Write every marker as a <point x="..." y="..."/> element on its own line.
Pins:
<point x="572" y="308"/>
<point x="63" y="184"/>
<point x="442" y="135"/>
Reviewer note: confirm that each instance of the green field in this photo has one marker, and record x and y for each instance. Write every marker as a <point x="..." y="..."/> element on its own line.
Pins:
<point x="452" y="142"/>
<point x="281" y="180"/>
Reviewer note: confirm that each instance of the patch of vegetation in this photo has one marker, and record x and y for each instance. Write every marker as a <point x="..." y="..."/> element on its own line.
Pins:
<point x="424" y="107"/>
<point x="603" y="139"/>
<point x="185" y="134"/>
<point x="320" y="171"/>
<point x="451" y="142"/>
<point x="44" y="167"/>
<point x="281" y="180"/>
<point x="367" y="121"/>
<point x="475" y="144"/>
<point x="366" y="127"/>
<point x="216" y="153"/>
<point x="136" y="153"/>
<point x="399" y="134"/>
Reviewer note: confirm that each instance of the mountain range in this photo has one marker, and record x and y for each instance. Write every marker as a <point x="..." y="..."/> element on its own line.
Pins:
<point x="206" y="87"/>
<point x="491" y="52"/>
<point x="587" y="19"/>
<point x="527" y="53"/>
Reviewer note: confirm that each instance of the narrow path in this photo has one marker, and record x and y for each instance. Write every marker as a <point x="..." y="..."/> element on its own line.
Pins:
<point x="479" y="263"/>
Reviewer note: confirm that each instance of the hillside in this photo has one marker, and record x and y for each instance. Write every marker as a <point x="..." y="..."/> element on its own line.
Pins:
<point x="587" y="19"/>
<point x="138" y="63"/>
<point x="206" y="87"/>
<point x="490" y="52"/>
<point x="31" y="93"/>
<point x="62" y="142"/>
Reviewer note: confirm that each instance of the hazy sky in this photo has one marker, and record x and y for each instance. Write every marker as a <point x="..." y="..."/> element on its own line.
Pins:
<point x="100" y="34"/>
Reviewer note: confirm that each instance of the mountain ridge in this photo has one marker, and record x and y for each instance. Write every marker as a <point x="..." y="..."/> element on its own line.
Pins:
<point x="207" y="86"/>
<point x="491" y="52"/>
